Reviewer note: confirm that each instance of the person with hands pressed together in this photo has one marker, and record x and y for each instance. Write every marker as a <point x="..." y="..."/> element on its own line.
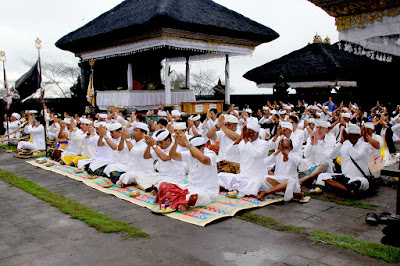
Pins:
<point x="36" y="130"/>
<point x="202" y="187"/>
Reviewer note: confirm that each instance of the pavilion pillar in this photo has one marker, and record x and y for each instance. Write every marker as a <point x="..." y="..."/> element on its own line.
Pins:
<point x="227" y="81"/>
<point x="130" y="77"/>
<point x="187" y="84"/>
<point x="167" y="84"/>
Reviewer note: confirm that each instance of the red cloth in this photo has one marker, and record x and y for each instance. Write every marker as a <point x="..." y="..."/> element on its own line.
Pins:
<point x="171" y="192"/>
<point x="136" y="85"/>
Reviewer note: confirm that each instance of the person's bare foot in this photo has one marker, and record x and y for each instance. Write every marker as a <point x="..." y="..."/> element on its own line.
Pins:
<point x="154" y="192"/>
<point x="122" y="185"/>
<point x="137" y="186"/>
<point x="183" y="207"/>
<point x="261" y="195"/>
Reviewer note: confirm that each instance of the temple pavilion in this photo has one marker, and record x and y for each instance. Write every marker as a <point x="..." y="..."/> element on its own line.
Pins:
<point x="134" y="44"/>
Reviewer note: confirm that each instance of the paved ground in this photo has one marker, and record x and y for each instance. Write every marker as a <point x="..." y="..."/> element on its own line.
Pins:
<point x="33" y="232"/>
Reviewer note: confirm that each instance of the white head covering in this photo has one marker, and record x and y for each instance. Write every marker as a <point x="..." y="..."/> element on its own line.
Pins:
<point x="85" y="121"/>
<point x="369" y="125"/>
<point x="179" y="125"/>
<point x="325" y="107"/>
<point x="160" y="135"/>
<point x="311" y="121"/>
<point x="100" y="123"/>
<point x="175" y="113"/>
<point x="314" y="107"/>
<point x="195" y="117"/>
<point x="273" y="112"/>
<point x="288" y="107"/>
<point x="249" y="111"/>
<point x="197" y="141"/>
<point x="282" y="112"/>
<point x="265" y="108"/>
<point x="16" y="116"/>
<point x="141" y="125"/>
<point x="231" y="119"/>
<point x="103" y="116"/>
<point x="346" y="115"/>
<point x="324" y="124"/>
<point x="162" y="113"/>
<point x="254" y="126"/>
<point x="353" y="129"/>
<point x="67" y="120"/>
<point x="287" y="125"/>
<point x="114" y="126"/>
<point x="345" y="109"/>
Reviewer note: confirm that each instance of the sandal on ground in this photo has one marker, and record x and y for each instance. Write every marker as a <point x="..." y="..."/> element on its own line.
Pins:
<point x="372" y="218"/>
<point x="305" y="199"/>
<point x="386" y="218"/>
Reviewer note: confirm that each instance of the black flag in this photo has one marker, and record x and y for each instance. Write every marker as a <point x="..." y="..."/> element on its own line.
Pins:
<point x="29" y="83"/>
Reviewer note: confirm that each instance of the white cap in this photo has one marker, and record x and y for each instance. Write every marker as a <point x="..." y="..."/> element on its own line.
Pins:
<point x="248" y="111"/>
<point x="353" y="129"/>
<point x="282" y="112"/>
<point x="369" y="125"/>
<point x="85" y="121"/>
<point x="103" y="116"/>
<point x="314" y="107"/>
<point x="288" y="107"/>
<point x="355" y="107"/>
<point x="140" y="125"/>
<point x="175" y="113"/>
<point x="194" y="117"/>
<point x="162" y="113"/>
<point x="345" y="109"/>
<point x="324" y="124"/>
<point x="179" y="125"/>
<point x="311" y="121"/>
<point x="273" y="112"/>
<point x="114" y="126"/>
<point x="265" y="108"/>
<point x="319" y="105"/>
<point x="346" y="115"/>
<point x="197" y="141"/>
<point x="325" y="107"/>
<point x="231" y="119"/>
<point x="160" y="135"/>
<point x="100" y="123"/>
<point x="67" y="120"/>
<point x="254" y="126"/>
<point x="287" y="125"/>
<point x="32" y="112"/>
<point x="16" y="116"/>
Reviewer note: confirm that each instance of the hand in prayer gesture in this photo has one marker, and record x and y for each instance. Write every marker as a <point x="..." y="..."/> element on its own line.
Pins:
<point x="221" y="121"/>
<point x="110" y="116"/>
<point x="208" y="115"/>
<point x="124" y="134"/>
<point x="190" y="123"/>
<point x="279" y="131"/>
<point x="182" y="139"/>
<point x="102" y="131"/>
<point x="149" y="141"/>
<point x="30" y="119"/>
<point x="91" y="129"/>
<point x="169" y="116"/>
<point x="344" y="136"/>
<point x="306" y="124"/>
<point x="73" y="124"/>
<point x="133" y="117"/>
<point x="245" y="133"/>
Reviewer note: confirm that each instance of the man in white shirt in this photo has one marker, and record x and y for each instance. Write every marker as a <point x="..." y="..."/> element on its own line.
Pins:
<point x="351" y="147"/>
<point x="252" y="151"/>
<point x="13" y="126"/>
<point x="316" y="153"/>
<point x="375" y="161"/>
<point x="202" y="187"/>
<point x="195" y="127"/>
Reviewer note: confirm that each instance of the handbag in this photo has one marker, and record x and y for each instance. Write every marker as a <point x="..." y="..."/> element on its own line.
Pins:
<point x="371" y="179"/>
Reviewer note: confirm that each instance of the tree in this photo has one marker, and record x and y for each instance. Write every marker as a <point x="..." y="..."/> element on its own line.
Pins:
<point x="202" y="82"/>
<point x="57" y="77"/>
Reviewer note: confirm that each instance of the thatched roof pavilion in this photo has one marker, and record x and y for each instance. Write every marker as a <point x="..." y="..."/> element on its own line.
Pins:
<point x="143" y="31"/>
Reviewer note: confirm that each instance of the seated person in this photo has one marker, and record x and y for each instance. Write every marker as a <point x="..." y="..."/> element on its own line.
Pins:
<point x="285" y="176"/>
<point x="354" y="154"/>
<point x="202" y="187"/>
<point x="138" y="164"/>
<point x="252" y="151"/>
<point x="13" y="126"/>
<point x="35" y="128"/>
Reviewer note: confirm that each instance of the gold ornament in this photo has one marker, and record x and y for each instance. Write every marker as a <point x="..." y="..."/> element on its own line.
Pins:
<point x="2" y="56"/>
<point x="91" y="62"/>
<point x="317" y="39"/>
<point x="38" y="43"/>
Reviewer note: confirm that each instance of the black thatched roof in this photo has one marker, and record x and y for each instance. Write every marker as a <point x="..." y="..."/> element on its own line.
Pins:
<point x="315" y="62"/>
<point x="133" y="17"/>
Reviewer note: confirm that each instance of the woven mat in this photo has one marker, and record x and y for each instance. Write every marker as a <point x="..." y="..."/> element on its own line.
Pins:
<point x="201" y="216"/>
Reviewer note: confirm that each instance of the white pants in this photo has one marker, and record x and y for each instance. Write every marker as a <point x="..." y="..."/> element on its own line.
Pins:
<point x="243" y="184"/>
<point x="293" y="185"/>
<point x="26" y="145"/>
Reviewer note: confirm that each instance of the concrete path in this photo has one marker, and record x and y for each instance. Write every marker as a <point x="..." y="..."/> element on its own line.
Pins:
<point x="32" y="232"/>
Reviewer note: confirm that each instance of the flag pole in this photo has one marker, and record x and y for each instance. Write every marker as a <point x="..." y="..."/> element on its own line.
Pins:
<point x="4" y="59"/>
<point x="38" y="44"/>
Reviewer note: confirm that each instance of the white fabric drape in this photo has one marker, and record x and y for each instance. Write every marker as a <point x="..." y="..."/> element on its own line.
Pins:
<point x="141" y="100"/>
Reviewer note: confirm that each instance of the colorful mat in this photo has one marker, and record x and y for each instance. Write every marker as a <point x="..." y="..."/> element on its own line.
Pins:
<point x="201" y="216"/>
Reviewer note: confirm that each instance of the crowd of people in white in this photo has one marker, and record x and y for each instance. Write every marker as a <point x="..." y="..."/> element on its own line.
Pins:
<point x="189" y="160"/>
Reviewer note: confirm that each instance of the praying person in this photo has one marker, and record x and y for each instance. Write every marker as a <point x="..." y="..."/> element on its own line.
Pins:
<point x="36" y="130"/>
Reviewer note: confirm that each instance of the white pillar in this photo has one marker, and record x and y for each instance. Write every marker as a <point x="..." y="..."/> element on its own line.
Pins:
<point x="187" y="84"/>
<point x="167" y="84"/>
<point x="227" y="82"/>
<point x="130" y="77"/>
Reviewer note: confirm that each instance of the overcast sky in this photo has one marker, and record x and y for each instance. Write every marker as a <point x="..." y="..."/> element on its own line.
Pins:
<point x="21" y="21"/>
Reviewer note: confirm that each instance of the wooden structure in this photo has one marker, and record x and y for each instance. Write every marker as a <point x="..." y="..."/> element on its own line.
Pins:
<point x="138" y="39"/>
<point x="201" y="107"/>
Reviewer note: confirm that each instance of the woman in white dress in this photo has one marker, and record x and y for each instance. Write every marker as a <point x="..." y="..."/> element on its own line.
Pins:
<point x="36" y="130"/>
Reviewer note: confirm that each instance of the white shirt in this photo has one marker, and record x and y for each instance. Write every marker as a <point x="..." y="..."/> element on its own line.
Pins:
<point x="288" y="168"/>
<point x="202" y="175"/>
<point x="252" y="156"/>
<point x="37" y="135"/>
<point x="137" y="162"/>
<point x="12" y="126"/>
<point x="226" y="153"/>
<point x="171" y="169"/>
<point x="320" y="152"/>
